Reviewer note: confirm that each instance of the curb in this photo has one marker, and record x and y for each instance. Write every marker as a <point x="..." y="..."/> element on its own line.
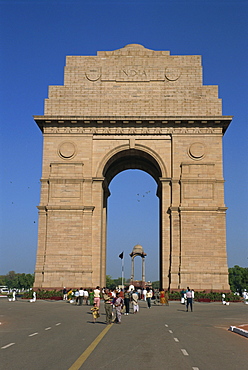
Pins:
<point x="239" y="331"/>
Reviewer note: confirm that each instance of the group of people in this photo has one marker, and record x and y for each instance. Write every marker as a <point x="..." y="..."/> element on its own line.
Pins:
<point x="116" y="302"/>
<point x="187" y="298"/>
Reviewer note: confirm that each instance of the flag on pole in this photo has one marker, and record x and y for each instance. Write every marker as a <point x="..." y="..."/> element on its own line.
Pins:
<point x="121" y="255"/>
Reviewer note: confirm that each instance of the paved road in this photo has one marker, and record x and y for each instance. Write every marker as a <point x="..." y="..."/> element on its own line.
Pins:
<point x="53" y="335"/>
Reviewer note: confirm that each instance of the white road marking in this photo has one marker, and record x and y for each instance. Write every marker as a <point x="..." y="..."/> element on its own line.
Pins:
<point x="31" y="335"/>
<point x="184" y="352"/>
<point x="195" y="368"/>
<point x="170" y="331"/>
<point x="48" y="328"/>
<point x="59" y="323"/>
<point x="7" y="345"/>
<point x="176" y="340"/>
<point x="166" y="325"/>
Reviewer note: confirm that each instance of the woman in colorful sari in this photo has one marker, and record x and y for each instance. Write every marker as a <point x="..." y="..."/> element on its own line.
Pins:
<point x="162" y="296"/>
<point x="91" y="297"/>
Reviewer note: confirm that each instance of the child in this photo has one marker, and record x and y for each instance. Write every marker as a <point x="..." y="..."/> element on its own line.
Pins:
<point x="95" y="312"/>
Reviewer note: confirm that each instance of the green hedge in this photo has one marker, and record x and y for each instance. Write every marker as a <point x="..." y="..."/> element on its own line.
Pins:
<point x="43" y="294"/>
<point x="213" y="296"/>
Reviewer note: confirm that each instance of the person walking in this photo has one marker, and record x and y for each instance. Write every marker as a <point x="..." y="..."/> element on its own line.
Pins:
<point x="107" y="297"/>
<point x="189" y="299"/>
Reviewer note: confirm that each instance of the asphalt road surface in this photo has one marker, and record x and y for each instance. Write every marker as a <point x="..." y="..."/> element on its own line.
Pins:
<point x="56" y="335"/>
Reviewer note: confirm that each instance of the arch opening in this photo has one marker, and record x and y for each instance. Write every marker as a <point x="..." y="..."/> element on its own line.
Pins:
<point x="132" y="180"/>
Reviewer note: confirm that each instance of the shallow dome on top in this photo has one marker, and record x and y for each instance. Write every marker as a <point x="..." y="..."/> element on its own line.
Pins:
<point x="138" y="249"/>
<point x="135" y="46"/>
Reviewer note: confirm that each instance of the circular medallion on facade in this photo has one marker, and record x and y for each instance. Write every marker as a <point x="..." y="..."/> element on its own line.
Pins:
<point x="196" y="151"/>
<point x="172" y="73"/>
<point x="93" y="73"/>
<point x="67" y="150"/>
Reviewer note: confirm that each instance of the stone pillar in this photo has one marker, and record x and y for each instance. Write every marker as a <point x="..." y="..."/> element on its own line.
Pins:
<point x="132" y="269"/>
<point x="143" y="269"/>
<point x="165" y="233"/>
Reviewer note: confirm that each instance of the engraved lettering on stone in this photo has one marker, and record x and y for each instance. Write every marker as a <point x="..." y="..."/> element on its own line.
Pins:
<point x="132" y="73"/>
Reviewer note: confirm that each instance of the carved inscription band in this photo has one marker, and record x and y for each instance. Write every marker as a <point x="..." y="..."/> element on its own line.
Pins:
<point x="132" y="73"/>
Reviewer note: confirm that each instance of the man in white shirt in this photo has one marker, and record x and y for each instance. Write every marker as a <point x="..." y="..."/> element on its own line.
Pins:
<point x="81" y="296"/>
<point x="144" y="294"/>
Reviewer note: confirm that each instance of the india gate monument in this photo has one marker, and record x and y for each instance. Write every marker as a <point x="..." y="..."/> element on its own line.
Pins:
<point x="132" y="108"/>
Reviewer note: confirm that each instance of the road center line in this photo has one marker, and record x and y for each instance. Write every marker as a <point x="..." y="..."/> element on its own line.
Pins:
<point x="59" y="323"/>
<point x="176" y="340"/>
<point x="31" y="335"/>
<point x="48" y="328"/>
<point x="170" y="331"/>
<point x="184" y="352"/>
<point x="7" y="345"/>
<point x="79" y="362"/>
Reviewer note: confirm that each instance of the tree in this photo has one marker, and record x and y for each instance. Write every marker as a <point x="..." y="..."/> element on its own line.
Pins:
<point x="156" y="284"/>
<point x="238" y="278"/>
<point x="19" y="281"/>
<point x="110" y="284"/>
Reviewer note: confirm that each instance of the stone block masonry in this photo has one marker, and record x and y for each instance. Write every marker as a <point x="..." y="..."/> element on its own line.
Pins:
<point x="123" y="109"/>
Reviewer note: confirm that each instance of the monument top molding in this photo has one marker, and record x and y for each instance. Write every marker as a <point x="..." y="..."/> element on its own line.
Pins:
<point x="133" y="49"/>
<point x="133" y="82"/>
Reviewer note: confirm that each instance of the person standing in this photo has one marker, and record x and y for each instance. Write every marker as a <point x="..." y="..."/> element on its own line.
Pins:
<point x="97" y="296"/>
<point x="144" y="292"/>
<point x="86" y="296"/>
<point x="149" y="297"/>
<point x="162" y="296"/>
<point x="64" y="294"/>
<point x="107" y="297"/>
<point x="91" y="297"/>
<point x="95" y="312"/>
<point x="135" y="301"/>
<point x="118" y="306"/>
<point x="166" y="297"/>
<point x="126" y="300"/>
<point x="182" y="294"/>
<point x="81" y="296"/>
<point x="76" y="294"/>
<point x="189" y="299"/>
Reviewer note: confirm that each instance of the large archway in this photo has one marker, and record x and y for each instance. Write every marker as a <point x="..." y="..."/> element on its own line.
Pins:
<point x="125" y="109"/>
<point x="133" y="212"/>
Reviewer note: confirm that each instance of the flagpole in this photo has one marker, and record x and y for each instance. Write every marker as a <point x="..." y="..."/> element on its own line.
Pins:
<point x="122" y="272"/>
<point x="121" y="256"/>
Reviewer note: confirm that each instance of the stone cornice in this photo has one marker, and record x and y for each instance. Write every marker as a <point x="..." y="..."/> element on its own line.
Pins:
<point x="70" y="122"/>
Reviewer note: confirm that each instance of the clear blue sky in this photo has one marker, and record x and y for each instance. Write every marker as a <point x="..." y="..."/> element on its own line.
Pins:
<point x="35" y="38"/>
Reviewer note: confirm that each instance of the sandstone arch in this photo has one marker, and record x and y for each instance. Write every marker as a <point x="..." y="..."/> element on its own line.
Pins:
<point x="132" y="108"/>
